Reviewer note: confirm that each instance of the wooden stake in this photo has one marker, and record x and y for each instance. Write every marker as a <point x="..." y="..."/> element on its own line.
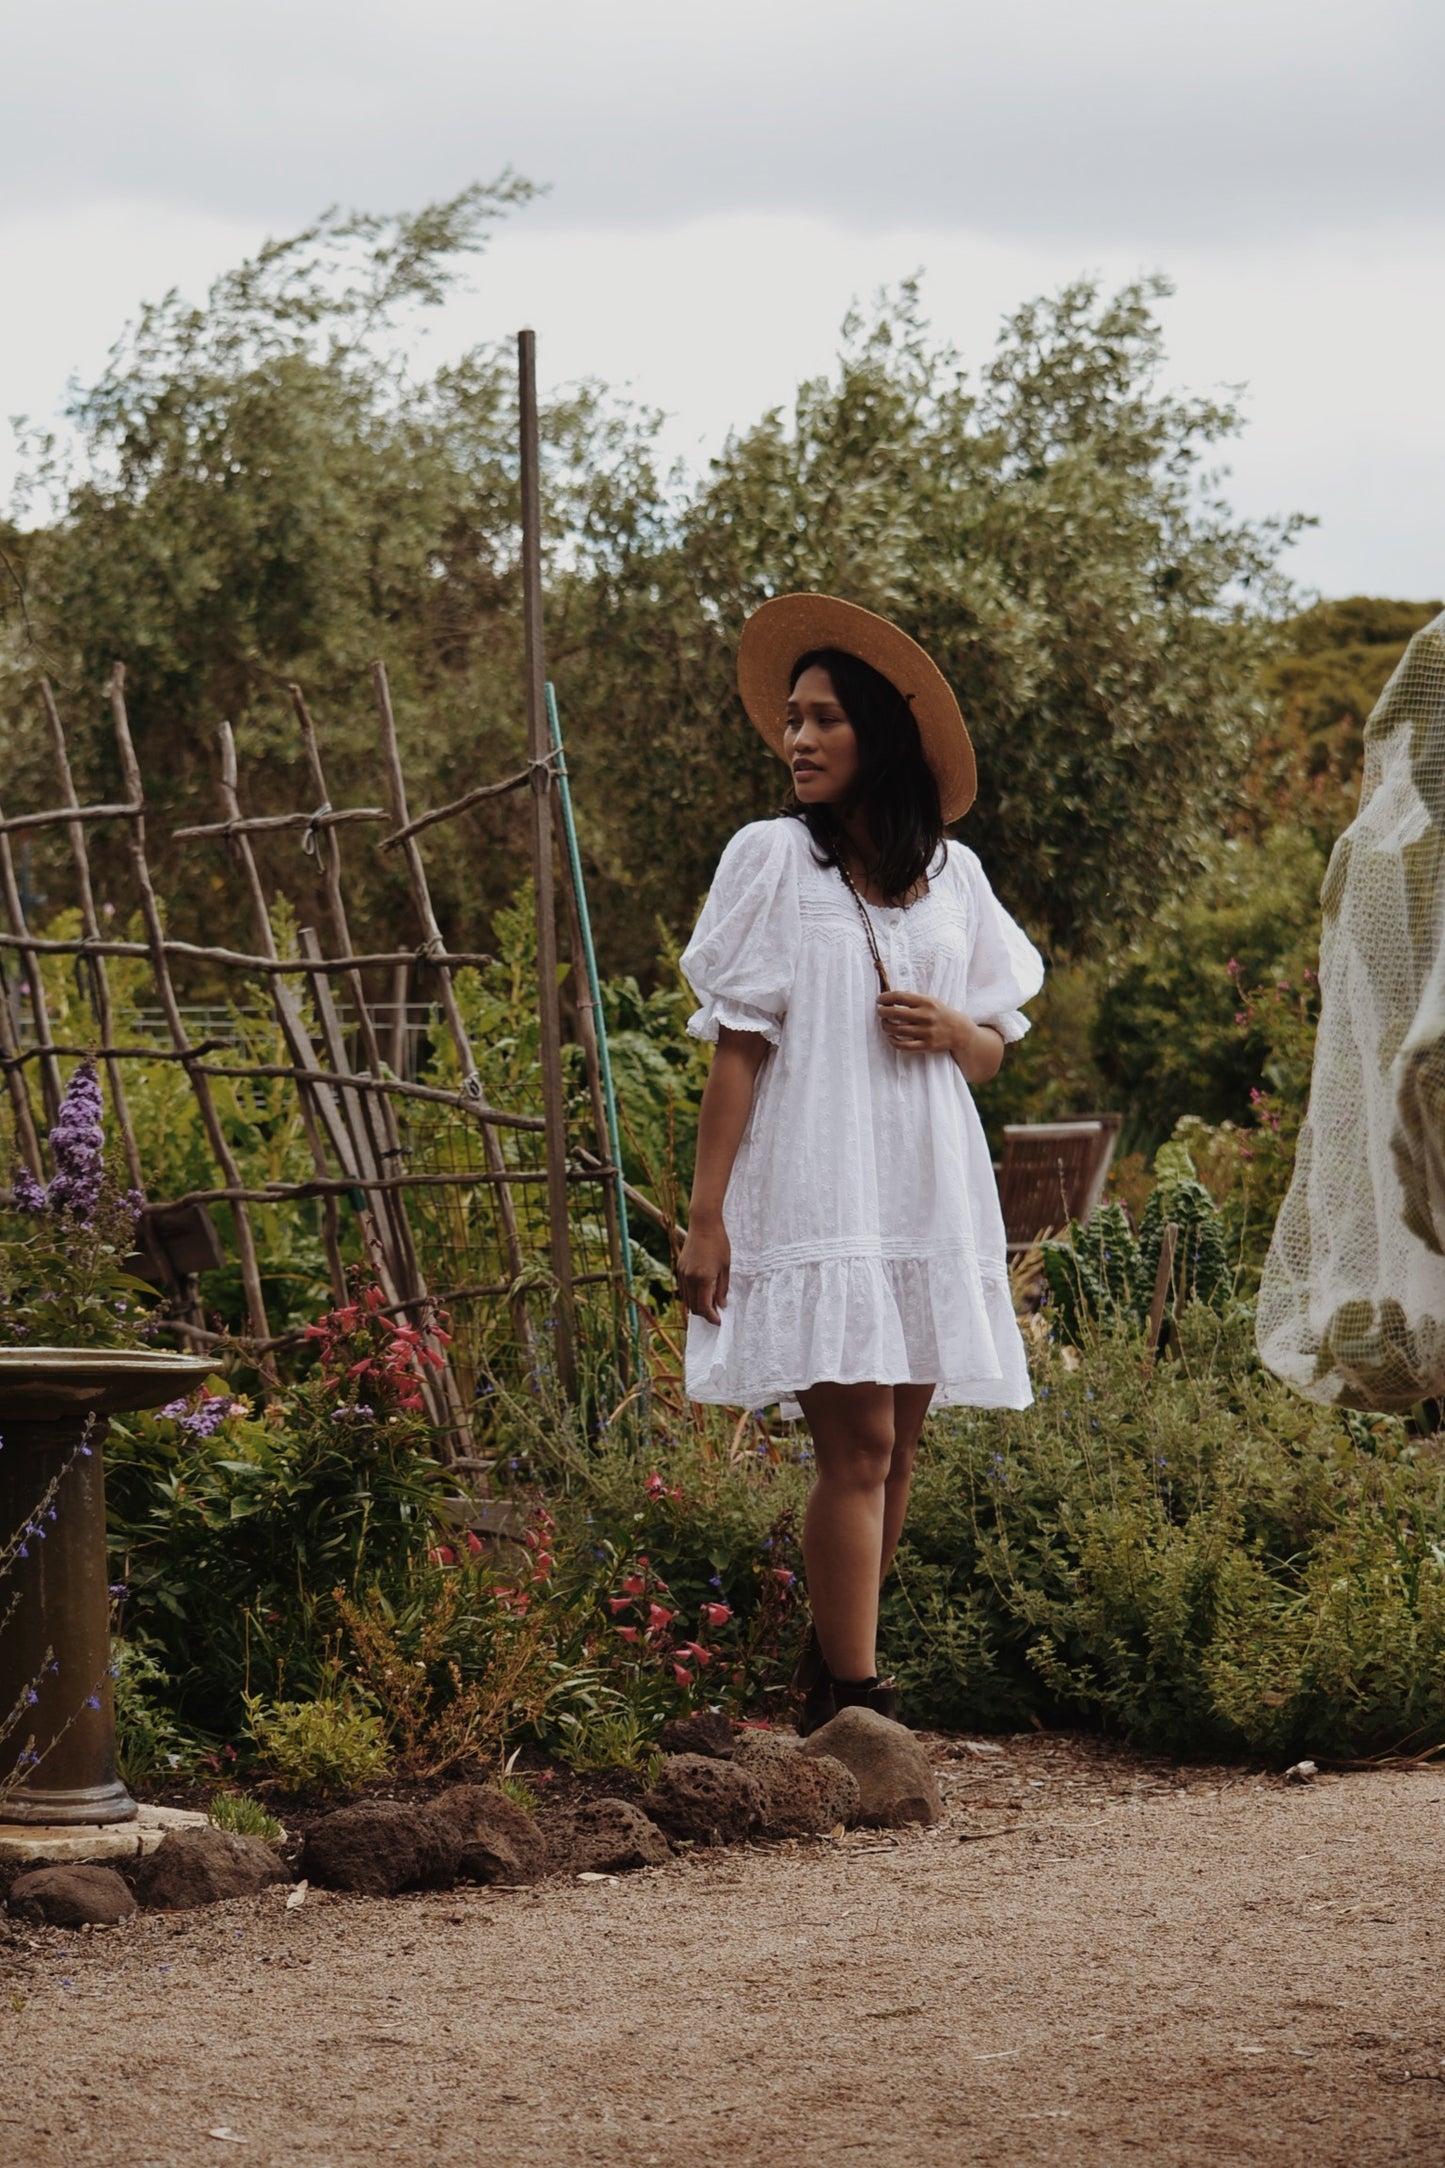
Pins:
<point x="292" y="1023"/>
<point x="439" y="962"/>
<point x="161" y="971"/>
<point x="539" y="753"/>
<point x="100" y="984"/>
<point x="1162" y="1280"/>
<point x="27" y="1137"/>
<point x="30" y="965"/>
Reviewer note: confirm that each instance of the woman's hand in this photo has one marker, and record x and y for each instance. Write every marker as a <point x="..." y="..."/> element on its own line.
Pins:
<point x="917" y="1024"/>
<point x="702" y="1269"/>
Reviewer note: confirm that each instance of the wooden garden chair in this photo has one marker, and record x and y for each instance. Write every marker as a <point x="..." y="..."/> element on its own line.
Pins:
<point x="1051" y="1173"/>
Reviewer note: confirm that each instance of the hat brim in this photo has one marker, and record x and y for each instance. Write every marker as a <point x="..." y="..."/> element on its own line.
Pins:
<point x="790" y="625"/>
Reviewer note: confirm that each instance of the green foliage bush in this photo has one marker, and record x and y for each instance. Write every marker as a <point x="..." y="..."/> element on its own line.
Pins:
<point x="237" y="1811"/>
<point x="151" y="1745"/>
<point x="320" y="1746"/>
<point x="1104" y="1273"/>
<point x="1185" y="1553"/>
<point x="1167" y="1035"/>
<point x="233" y="1544"/>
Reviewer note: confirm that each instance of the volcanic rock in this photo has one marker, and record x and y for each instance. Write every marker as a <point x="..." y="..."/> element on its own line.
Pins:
<point x="606" y="1836"/>
<point x="803" y="1795"/>
<point x="380" y="1846"/>
<point x="79" y="1896"/>
<point x="202" y="1866"/>
<point x="498" y="1840"/>
<point x="710" y="1802"/>
<point x="706" y="1731"/>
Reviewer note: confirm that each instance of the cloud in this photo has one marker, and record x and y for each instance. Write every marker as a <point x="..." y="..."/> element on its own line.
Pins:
<point x="1093" y="121"/>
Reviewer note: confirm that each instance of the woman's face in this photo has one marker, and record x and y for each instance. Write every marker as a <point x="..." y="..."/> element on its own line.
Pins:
<point x="819" y="744"/>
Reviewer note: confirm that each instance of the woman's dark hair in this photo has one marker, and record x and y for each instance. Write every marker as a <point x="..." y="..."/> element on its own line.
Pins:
<point x="894" y="781"/>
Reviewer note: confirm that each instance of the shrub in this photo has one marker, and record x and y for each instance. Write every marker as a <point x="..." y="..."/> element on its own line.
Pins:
<point x="150" y="1744"/>
<point x="320" y="1746"/>
<point x="1104" y="1273"/>
<point x="1186" y="1553"/>
<point x="245" y="1816"/>
<point x="233" y="1529"/>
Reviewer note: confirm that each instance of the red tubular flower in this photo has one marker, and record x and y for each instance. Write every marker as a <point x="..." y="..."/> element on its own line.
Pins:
<point x="716" y="1614"/>
<point x="682" y="1675"/>
<point x="443" y="1555"/>
<point x="618" y="1604"/>
<point x="658" y="1618"/>
<point x="634" y="1585"/>
<point x="629" y="1633"/>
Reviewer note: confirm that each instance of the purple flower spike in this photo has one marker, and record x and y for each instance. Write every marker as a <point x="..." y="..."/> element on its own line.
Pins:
<point x="77" y="1146"/>
<point x="27" y="1192"/>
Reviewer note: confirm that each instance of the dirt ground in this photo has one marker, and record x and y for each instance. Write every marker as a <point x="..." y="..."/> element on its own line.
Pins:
<point x="1096" y="1958"/>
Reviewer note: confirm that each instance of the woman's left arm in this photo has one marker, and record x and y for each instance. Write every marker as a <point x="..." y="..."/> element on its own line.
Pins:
<point x="917" y="1024"/>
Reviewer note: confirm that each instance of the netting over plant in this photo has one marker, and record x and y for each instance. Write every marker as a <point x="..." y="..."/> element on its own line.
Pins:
<point x="1352" y="1303"/>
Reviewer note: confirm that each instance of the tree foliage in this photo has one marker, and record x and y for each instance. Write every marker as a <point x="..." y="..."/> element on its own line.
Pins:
<point x="1044" y="532"/>
<point x="263" y="490"/>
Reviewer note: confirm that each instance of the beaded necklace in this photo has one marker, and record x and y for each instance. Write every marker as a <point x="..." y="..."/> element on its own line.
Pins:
<point x="849" y="884"/>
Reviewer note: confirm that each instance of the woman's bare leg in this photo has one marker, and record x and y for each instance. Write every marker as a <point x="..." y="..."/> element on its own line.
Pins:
<point x="910" y="1406"/>
<point x="853" y="1445"/>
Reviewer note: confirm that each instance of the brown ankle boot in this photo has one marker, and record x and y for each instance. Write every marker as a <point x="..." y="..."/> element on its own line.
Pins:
<point x="880" y="1695"/>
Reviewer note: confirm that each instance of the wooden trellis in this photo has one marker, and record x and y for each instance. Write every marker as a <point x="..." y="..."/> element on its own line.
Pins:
<point x="355" y="1107"/>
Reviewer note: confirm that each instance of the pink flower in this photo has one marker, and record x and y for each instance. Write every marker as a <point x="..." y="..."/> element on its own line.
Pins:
<point x="443" y="1555"/>
<point x="474" y="1543"/>
<point x="655" y="1487"/>
<point x="618" y="1604"/>
<point x="634" y="1584"/>
<point x="703" y="1656"/>
<point x="716" y="1614"/>
<point x="682" y="1675"/>
<point x="781" y="1573"/>
<point x="659" y="1618"/>
<point x="630" y="1633"/>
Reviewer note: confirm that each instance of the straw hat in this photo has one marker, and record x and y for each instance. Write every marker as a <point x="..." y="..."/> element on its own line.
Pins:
<point x="790" y="625"/>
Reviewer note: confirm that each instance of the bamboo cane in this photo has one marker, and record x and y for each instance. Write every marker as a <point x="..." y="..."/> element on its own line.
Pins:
<point x="438" y="961"/>
<point x="288" y="1014"/>
<point x="50" y="1084"/>
<point x="161" y="971"/>
<point x="539" y="754"/>
<point x="100" y="983"/>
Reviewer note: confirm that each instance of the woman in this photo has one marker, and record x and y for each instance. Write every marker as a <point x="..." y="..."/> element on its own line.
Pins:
<point x="845" y="1249"/>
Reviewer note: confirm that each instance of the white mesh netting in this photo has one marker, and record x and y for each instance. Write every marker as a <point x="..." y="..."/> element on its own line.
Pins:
<point x="1352" y="1303"/>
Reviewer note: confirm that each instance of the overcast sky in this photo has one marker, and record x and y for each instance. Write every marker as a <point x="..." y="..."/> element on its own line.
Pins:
<point x="724" y="180"/>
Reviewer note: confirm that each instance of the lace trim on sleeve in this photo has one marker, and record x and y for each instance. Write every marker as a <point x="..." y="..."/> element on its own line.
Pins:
<point x="1011" y="1024"/>
<point x="715" y="1013"/>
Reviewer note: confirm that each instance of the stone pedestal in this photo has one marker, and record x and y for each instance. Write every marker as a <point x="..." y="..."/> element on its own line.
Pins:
<point x="57" y="1751"/>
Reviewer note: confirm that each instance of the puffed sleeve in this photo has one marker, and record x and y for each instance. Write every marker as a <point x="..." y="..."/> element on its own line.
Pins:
<point x="1004" y="968"/>
<point x="741" y="958"/>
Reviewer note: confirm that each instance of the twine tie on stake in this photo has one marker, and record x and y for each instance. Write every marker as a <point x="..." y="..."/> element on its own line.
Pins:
<point x="312" y="829"/>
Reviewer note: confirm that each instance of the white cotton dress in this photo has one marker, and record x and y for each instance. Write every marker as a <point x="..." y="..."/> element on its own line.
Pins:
<point x="862" y="1212"/>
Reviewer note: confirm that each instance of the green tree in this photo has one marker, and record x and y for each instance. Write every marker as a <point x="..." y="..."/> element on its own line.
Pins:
<point x="261" y="489"/>
<point x="1046" y="531"/>
<point x="1330" y="670"/>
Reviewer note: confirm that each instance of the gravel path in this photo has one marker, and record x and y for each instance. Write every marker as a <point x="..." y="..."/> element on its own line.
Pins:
<point x="1095" y="1959"/>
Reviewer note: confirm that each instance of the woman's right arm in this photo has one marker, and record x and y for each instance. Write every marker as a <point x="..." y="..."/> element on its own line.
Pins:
<point x="727" y="1101"/>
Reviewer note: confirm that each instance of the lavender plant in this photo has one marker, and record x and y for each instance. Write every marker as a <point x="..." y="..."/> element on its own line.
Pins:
<point x="63" y="1278"/>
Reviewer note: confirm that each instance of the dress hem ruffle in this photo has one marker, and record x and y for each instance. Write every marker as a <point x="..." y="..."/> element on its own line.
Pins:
<point x="933" y="1320"/>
